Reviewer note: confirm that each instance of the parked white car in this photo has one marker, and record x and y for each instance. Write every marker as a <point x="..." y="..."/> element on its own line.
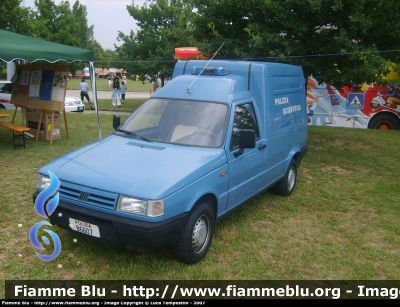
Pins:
<point x="71" y="104"/>
<point x="5" y="95"/>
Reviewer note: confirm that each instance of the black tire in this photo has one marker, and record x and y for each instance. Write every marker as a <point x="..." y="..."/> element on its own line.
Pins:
<point x="196" y="236"/>
<point x="286" y="185"/>
<point x="2" y="107"/>
<point x="384" y="122"/>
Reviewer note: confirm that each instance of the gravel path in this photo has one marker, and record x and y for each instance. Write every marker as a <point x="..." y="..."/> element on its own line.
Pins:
<point x="108" y="111"/>
<point x="107" y="94"/>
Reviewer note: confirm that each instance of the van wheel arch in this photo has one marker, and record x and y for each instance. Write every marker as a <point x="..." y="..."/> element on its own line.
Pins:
<point x="195" y="238"/>
<point x="286" y="185"/>
<point x="384" y="121"/>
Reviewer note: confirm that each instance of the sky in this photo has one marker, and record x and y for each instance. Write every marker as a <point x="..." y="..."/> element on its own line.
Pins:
<point x="107" y="16"/>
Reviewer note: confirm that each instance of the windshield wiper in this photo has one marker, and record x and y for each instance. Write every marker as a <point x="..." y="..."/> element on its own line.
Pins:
<point x="134" y="134"/>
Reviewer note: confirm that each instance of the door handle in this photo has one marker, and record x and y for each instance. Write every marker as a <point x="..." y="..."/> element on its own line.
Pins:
<point x="263" y="146"/>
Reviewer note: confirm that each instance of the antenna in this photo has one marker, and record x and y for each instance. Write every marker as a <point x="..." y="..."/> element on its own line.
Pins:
<point x="188" y="89"/>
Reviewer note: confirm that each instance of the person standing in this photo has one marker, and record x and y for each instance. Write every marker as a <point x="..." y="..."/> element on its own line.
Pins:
<point x="116" y="92"/>
<point x="84" y="92"/>
<point x="123" y="91"/>
<point x="155" y="85"/>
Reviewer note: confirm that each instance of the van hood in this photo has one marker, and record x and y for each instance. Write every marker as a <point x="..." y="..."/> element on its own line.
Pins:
<point x="135" y="167"/>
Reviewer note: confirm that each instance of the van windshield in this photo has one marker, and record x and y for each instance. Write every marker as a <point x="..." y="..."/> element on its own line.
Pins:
<point x="193" y="123"/>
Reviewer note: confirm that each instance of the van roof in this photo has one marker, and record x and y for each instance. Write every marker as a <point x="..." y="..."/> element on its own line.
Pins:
<point x="219" y="88"/>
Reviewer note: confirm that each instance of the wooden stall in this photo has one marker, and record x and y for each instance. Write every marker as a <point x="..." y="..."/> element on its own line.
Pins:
<point x="39" y="92"/>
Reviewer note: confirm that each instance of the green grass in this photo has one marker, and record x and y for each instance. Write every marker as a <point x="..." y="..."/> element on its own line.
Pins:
<point x="102" y="85"/>
<point x="341" y="223"/>
<point x="128" y="106"/>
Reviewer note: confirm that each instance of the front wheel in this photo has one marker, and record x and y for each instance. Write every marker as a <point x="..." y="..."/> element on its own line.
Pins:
<point x="384" y="122"/>
<point x="286" y="185"/>
<point x="196" y="235"/>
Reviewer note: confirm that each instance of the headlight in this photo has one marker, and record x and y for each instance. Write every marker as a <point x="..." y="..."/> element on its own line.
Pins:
<point x="42" y="182"/>
<point x="152" y="208"/>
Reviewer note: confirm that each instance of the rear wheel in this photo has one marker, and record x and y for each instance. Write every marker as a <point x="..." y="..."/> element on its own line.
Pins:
<point x="286" y="185"/>
<point x="384" y="122"/>
<point x="196" y="236"/>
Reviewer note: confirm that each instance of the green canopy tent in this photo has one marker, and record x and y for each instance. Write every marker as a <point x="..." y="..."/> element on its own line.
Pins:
<point x="15" y="47"/>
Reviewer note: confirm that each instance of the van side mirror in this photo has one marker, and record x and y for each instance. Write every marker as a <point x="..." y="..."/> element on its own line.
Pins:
<point x="116" y="121"/>
<point x="247" y="139"/>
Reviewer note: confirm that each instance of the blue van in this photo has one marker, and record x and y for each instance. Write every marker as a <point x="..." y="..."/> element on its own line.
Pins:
<point x="217" y="134"/>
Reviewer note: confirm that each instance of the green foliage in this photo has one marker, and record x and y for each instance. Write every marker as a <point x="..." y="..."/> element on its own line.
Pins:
<point x="163" y="26"/>
<point x="14" y="17"/>
<point x="84" y="33"/>
<point x="3" y="71"/>
<point x="63" y="25"/>
<point x="337" y="42"/>
<point x="60" y="24"/>
<point x="52" y="22"/>
<point x="341" y="42"/>
<point x="105" y="58"/>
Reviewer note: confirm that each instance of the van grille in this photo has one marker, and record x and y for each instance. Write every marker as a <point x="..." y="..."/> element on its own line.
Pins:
<point x="88" y="196"/>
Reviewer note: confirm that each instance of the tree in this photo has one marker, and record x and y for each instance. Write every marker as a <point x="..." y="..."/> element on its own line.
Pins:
<point x="342" y="42"/>
<point x="63" y="25"/>
<point x="85" y="33"/>
<point x="14" y="17"/>
<point x="51" y="22"/>
<point x="57" y="23"/>
<point x="105" y="59"/>
<point x="163" y="26"/>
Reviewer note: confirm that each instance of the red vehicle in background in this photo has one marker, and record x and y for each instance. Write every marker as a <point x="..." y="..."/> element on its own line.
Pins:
<point x="82" y="74"/>
<point x="388" y="98"/>
<point x="374" y="107"/>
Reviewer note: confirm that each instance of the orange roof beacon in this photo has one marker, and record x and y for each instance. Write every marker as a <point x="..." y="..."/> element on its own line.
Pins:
<point x="184" y="53"/>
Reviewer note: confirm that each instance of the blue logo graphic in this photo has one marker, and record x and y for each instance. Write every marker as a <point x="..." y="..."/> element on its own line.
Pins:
<point x="35" y="242"/>
<point x="45" y="210"/>
<point x="46" y="194"/>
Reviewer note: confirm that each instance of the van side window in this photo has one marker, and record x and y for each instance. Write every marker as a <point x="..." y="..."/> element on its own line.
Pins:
<point x="245" y="118"/>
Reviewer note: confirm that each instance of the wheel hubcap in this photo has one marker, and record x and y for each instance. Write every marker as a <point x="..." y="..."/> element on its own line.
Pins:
<point x="200" y="234"/>
<point x="291" y="179"/>
<point x="384" y="126"/>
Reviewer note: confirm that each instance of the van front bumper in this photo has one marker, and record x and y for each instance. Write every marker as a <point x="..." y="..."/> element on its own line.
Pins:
<point x="140" y="236"/>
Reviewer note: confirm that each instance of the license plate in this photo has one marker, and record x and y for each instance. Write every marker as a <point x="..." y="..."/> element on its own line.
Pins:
<point x="84" y="227"/>
<point x="80" y="108"/>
